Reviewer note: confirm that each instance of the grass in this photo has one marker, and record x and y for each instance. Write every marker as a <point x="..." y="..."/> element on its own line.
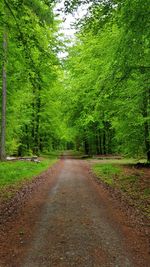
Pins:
<point x="133" y="182"/>
<point x="106" y="172"/>
<point x="147" y="192"/>
<point x="117" y="161"/>
<point x="14" y="174"/>
<point x="112" y="173"/>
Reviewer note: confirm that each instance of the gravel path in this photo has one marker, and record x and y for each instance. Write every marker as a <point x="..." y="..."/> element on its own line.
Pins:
<point x="75" y="228"/>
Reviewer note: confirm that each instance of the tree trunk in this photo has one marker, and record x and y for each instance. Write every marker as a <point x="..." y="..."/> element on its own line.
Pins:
<point x="97" y="142"/>
<point x="36" y="137"/>
<point x="104" y="141"/>
<point x="147" y="141"/>
<point x="146" y="124"/>
<point x="101" y="141"/>
<point x="3" y="119"/>
<point x="86" y="144"/>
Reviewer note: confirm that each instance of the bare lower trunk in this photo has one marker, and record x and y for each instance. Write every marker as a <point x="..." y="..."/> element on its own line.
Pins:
<point x="3" y="119"/>
<point x="146" y="124"/>
<point x="147" y="142"/>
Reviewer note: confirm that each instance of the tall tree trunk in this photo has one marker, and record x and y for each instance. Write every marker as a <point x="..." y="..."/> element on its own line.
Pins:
<point x="101" y="141"/>
<point x="104" y="141"/>
<point x="3" y="119"/>
<point x="146" y="105"/>
<point x="107" y="137"/>
<point x="147" y="142"/>
<point x="146" y="124"/>
<point x="36" y="137"/>
<point x="97" y="142"/>
<point x="86" y="144"/>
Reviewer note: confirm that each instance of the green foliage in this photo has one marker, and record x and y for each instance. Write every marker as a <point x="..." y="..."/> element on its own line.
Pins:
<point x="33" y="70"/>
<point x="108" y="79"/>
<point x="98" y="100"/>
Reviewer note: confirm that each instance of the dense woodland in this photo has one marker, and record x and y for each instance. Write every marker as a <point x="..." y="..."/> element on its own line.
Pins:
<point x="96" y="100"/>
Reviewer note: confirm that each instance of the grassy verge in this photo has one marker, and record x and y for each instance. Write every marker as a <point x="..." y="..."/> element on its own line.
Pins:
<point x="14" y="174"/>
<point x="107" y="172"/>
<point x="131" y="181"/>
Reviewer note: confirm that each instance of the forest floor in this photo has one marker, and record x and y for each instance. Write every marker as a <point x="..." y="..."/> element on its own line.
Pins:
<point x="125" y="180"/>
<point x="66" y="217"/>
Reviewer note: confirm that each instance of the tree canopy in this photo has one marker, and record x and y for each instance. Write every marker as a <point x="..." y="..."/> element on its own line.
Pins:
<point x="97" y="99"/>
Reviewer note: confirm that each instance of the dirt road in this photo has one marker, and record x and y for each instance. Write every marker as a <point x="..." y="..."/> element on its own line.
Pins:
<point x="78" y="226"/>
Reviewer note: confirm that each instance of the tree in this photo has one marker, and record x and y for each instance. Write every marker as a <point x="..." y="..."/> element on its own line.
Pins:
<point x="3" y="123"/>
<point x="108" y="70"/>
<point x="31" y="70"/>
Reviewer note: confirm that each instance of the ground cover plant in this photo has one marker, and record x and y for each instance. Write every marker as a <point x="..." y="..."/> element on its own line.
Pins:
<point x="132" y="182"/>
<point x="14" y="174"/>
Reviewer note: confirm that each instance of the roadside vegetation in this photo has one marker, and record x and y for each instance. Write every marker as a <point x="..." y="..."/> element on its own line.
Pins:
<point x="131" y="181"/>
<point x="14" y="174"/>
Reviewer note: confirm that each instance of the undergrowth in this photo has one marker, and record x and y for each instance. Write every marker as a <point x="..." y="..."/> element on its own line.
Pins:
<point x="13" y="174"/>
<point x="132" y="182"/>
<point x="107" y="172"/>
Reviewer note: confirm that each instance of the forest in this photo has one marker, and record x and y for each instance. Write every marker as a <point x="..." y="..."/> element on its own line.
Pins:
<point x="96" y="100"/>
